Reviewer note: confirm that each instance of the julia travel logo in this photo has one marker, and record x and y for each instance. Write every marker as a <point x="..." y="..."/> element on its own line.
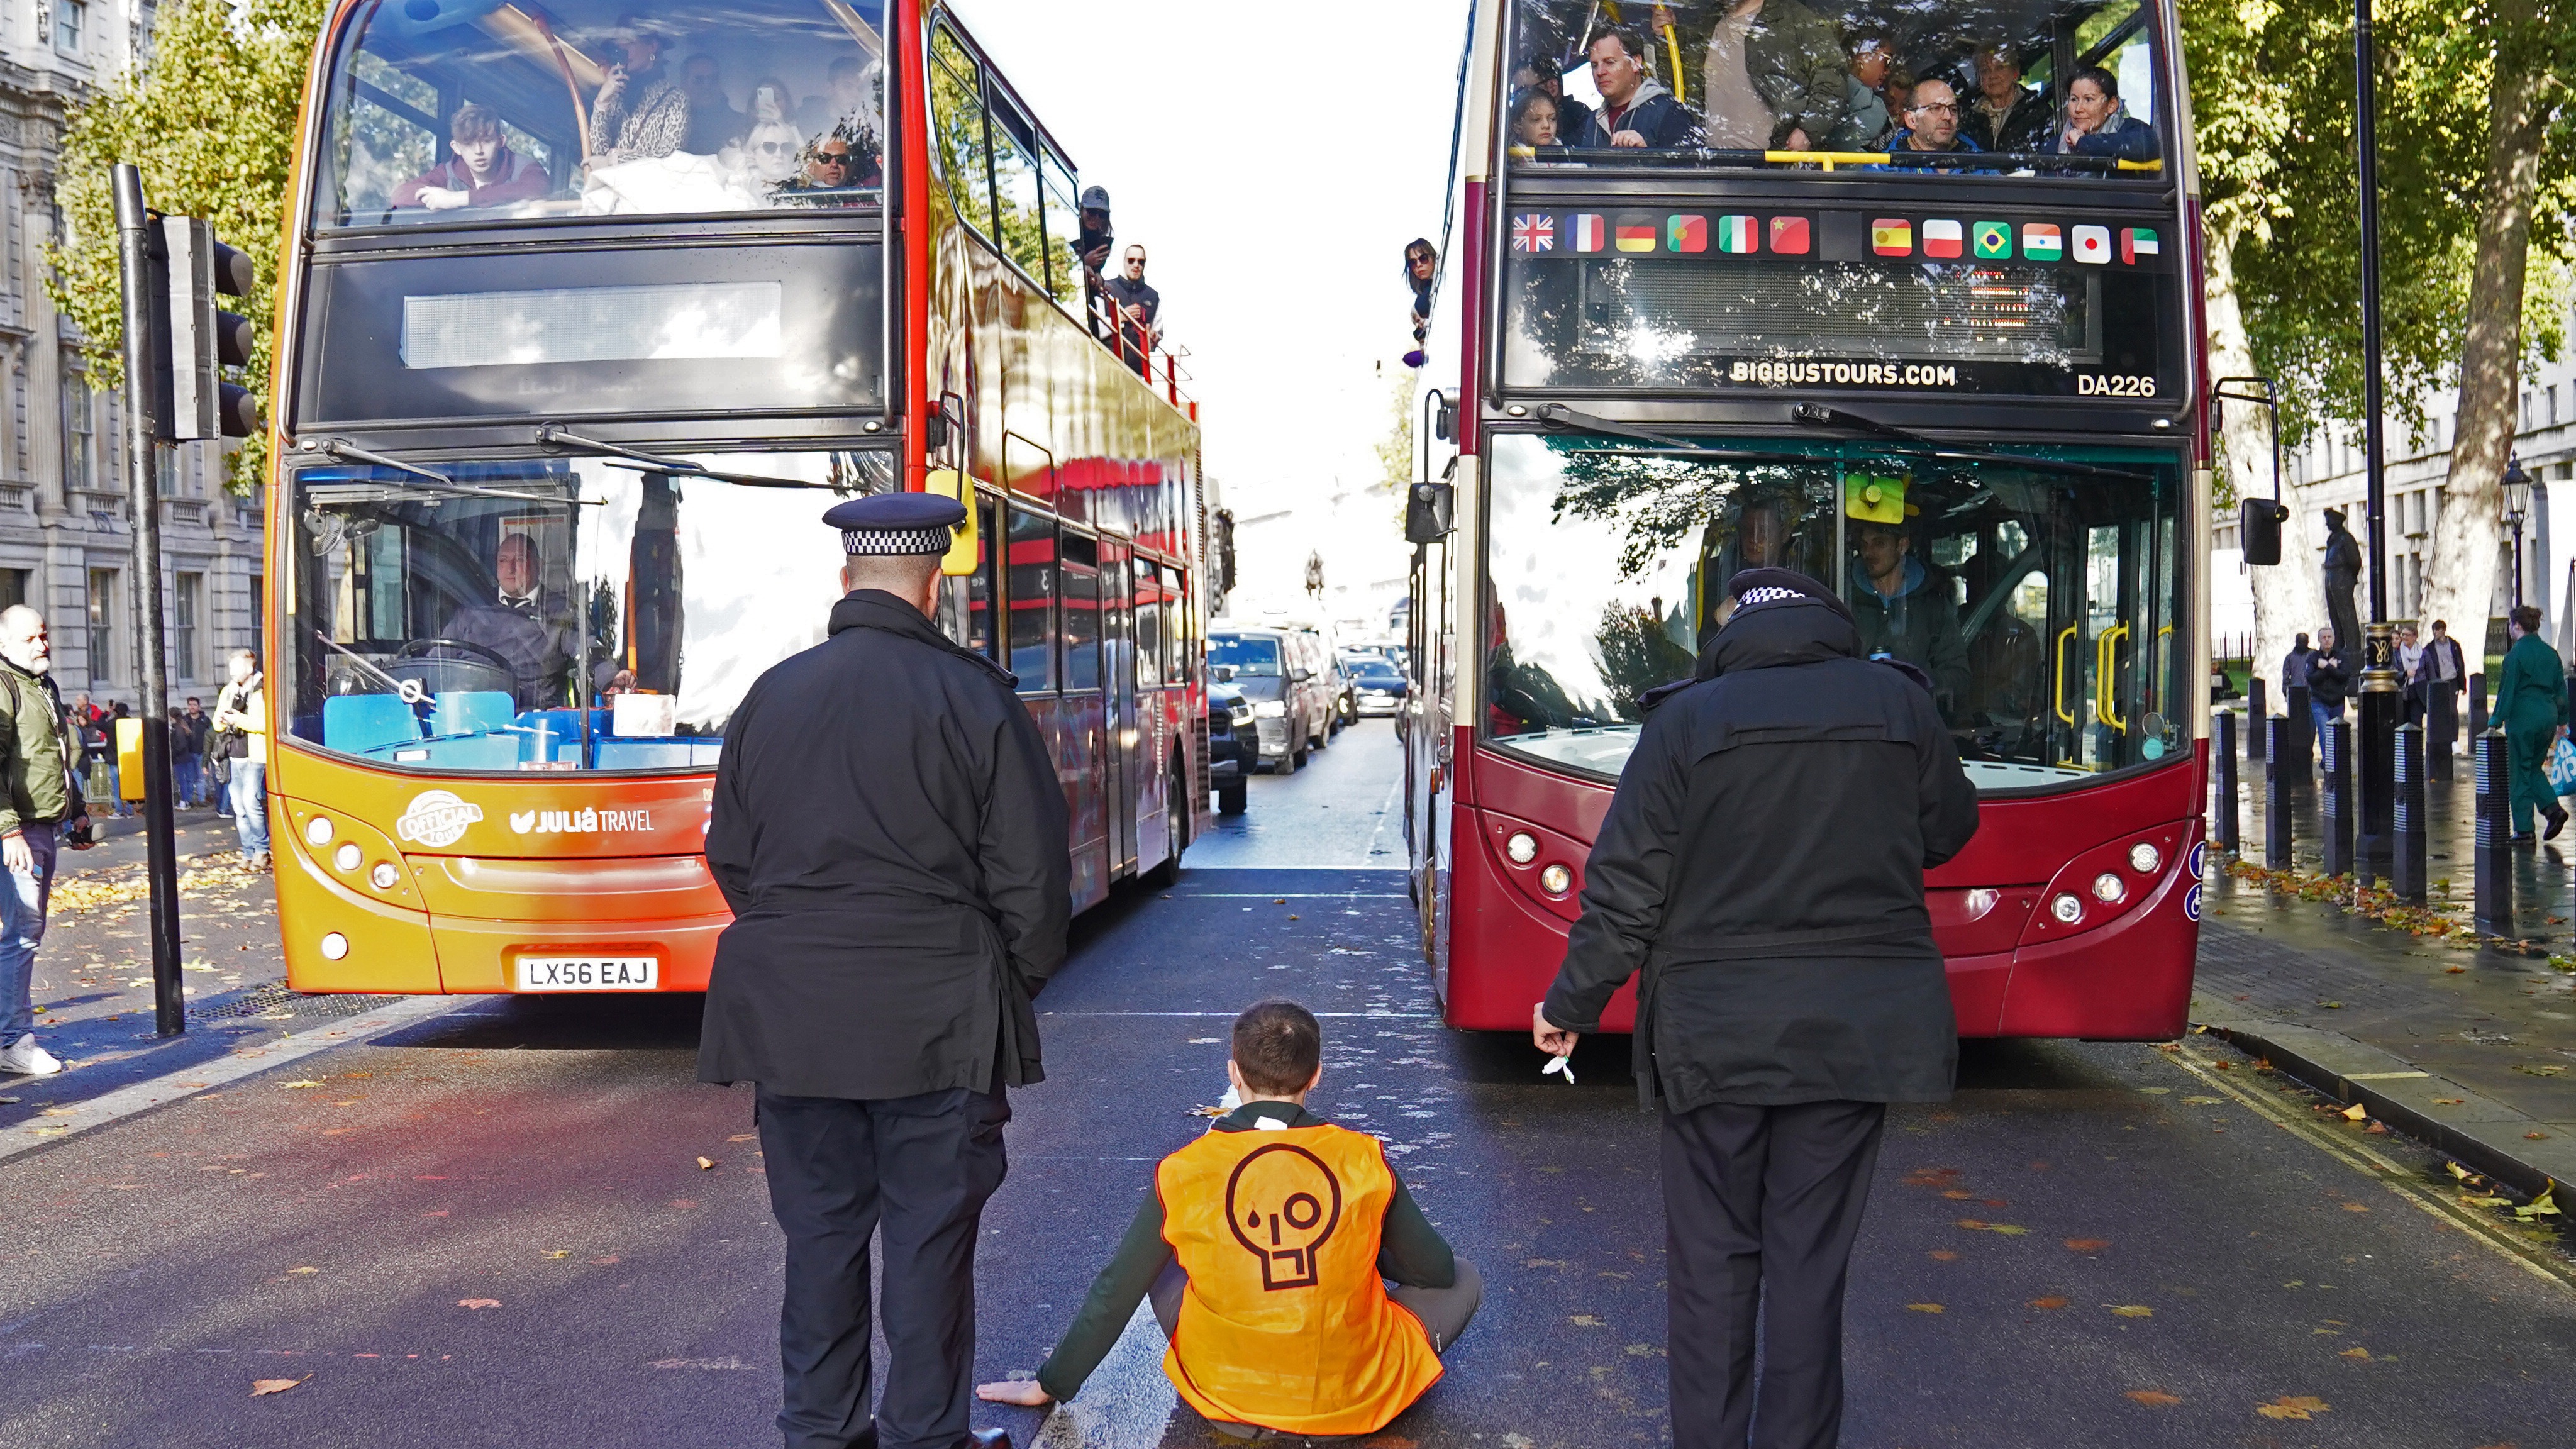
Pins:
<point x="436" y="818"/>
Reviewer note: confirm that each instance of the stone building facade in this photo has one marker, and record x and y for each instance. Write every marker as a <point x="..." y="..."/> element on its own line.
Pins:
<point x="66" y="535"/>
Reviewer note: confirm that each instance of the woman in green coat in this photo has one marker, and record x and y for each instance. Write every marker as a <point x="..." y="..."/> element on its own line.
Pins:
<point x="2531" y="704"/>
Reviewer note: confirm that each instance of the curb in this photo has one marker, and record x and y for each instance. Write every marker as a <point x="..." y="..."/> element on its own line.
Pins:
<point x="2481" y="1133"/>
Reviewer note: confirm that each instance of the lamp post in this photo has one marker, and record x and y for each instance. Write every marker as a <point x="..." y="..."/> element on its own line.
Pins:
<point x="2379" y="684"/>
<point x="2517" y="507"/>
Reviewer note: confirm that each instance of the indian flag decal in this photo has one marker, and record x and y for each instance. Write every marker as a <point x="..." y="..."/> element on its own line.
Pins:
<point x="1738" y="234"/>
<point x="2042" y="242"/>
<point x="1891" y="237"/>
<point x="1591" y="233"/>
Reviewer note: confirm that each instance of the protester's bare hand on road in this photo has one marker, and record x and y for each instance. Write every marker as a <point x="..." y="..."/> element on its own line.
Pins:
<point x="1023" y="1392"/>
<point x="78" y="824"/>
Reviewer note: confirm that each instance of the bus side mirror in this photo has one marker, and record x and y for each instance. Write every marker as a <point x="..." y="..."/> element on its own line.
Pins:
<point x="1426" y="512"/>
<point x="2258" y="527"/>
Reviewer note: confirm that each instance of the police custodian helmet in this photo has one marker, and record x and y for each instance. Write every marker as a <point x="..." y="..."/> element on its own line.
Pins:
<point x="890" y="525"/>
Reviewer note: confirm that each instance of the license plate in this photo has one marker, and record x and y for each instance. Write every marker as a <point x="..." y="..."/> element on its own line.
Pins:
<point x="588" y="973"/>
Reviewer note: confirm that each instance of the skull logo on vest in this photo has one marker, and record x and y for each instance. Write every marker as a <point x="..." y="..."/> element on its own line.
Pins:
<point x="1282" y="1203"/>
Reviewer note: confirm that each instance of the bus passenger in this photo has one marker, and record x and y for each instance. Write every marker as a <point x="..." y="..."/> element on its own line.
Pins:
<point x="1140" y="312"/>
<point x="1091" y="253"/>
<point x="2098" y="125"/>
<point x="1932" y="124"/>
<point x="640" y="112"/>
<point x="832" y="164"/>
<point x="1797" y="64"/>
<point x="849" y="98"/>
<point x="1534" y="122"/>
<point x="1905" y="612"/>
<point x="1636" y="111"/>
<point x="1298" y="1333"/>
<point x="485" y="171"/>
<point x="713" y="122"/>
<point x="1866" y="118"/>
<point x="2006" y="115"/>
<point x="534" y="633"/>
<point x="1542" y="74"/>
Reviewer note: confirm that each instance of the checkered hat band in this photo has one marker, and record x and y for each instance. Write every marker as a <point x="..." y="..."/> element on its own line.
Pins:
<point x="1766" y="595"/>
<point x="894" y="542"/>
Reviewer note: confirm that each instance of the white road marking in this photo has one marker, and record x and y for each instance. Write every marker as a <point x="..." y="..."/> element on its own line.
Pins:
<point x="1127" y="1402"/>
<point x="181" y="1083"/>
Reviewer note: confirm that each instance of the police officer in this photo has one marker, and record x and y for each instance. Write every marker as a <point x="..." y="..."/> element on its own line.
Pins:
<point x="889" y="832"/>
<point x="1761" y="873"/>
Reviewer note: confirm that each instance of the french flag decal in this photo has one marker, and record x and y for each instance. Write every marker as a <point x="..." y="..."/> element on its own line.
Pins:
<point x="1591" y="233"/>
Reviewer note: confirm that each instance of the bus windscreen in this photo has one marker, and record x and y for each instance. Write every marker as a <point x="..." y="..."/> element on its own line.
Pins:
<point x="475" y="110"/>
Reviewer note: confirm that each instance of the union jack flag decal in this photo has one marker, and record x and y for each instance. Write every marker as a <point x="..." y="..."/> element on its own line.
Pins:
<point x="1534" y="232"/>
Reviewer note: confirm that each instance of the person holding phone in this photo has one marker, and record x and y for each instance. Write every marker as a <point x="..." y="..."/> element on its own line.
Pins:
<point x="640" y="112"/>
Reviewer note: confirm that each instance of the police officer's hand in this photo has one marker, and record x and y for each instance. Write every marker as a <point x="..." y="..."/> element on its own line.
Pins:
<point x="1023" y="1392"/>
<point x="1550" y="1038"/>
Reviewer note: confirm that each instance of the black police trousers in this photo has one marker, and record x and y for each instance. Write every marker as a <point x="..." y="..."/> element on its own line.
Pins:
<point x="919" y="1169"/>
<point x="1761" y="1205"/>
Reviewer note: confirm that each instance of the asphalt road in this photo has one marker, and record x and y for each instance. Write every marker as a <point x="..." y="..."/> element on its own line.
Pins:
<point x="492" y="1227"/>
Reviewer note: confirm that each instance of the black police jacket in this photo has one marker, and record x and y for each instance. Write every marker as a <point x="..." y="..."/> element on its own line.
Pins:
<point x="889" y="830"/>
<point x="1762" y="865"/>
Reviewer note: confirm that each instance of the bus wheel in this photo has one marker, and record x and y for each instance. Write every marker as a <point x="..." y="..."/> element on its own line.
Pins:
<point x="1177" y="810"/>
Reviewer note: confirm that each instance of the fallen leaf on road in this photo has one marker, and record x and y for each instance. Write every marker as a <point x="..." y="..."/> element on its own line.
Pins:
<point x="1943" y="1255"/>
<point x="2450" y="1101"/>
<point x="2006" y="1229"/>
<point x="604" y="1262"/>
<point x="2153" y="1397"/>
<point x="2355" y="1112"/>
<point x="1923" y="1308"/>
<point x="2453" y="970"/>
<point x="2131" y="1310"/>
<point x="303" y="1270"/>
<point x="744" y="1137"/>
<point x="1931" y="1177"/>
<point x="2354" y="1207"/>
<point x="1283" y="900"/>
<point x="1586" y="1320"/>
<point x="2362" y="1354"/>
<point x="2293" y="1406"/>
<point x="2088" y="1245"/>
<point x="559" y="1254"/>
<point x="705" y="1162"/>
<point x="2202" y="1101"/>
<point x="2048" y="1305"/>
<point x="2535" y="1136"/>
<point x="2543" y="1206"/>
<point x="291" y="1086"/>
<point x="2488" y="1201"/>
<point x="2156" y="1091"/>
<point x="262" y="1387"/>
<point x="478" y="1302"/>
<point x="1644" y="1350"/>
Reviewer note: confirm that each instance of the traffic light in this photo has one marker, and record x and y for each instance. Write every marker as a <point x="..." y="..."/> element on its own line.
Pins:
<point x="202" y="340"/>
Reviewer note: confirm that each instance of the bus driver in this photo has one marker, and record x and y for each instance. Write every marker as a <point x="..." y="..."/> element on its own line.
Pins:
<point x="521" y="626"/>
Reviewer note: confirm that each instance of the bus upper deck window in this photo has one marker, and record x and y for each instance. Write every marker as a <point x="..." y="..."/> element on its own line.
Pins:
<point x="468" y="110"/>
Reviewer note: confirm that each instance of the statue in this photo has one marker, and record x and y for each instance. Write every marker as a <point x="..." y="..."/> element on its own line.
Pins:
<point x="2343" y="575"/>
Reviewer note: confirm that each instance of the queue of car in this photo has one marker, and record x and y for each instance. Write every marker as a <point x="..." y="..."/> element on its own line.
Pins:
<point x="1277" y="692"/>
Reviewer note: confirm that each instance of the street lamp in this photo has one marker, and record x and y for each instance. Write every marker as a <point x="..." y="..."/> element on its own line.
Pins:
<point x="2517" y="507"/>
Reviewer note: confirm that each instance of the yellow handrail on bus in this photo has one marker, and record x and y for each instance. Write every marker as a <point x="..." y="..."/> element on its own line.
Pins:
<point x="2058" y="685"/>
<point x="2105" y="694"/>
<point x="1831" y="159"/>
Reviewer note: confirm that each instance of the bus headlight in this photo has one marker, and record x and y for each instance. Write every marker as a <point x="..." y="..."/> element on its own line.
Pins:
<point x="384" y="875"/>
<point x="317" y="831"/>
<point x="2145" y="859"/>
<point x="2067" y="909"/>
<point x="1522" y="848"/>
<point x="1270" y="709"/>
<point x="334" y="946"/>
<point x="1556" y="880"/>
<point x="348" y="856"/>
<point x="2108" y="888"/>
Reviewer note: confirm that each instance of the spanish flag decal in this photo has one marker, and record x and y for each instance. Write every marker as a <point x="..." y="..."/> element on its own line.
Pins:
<point x="1891" y="237"/>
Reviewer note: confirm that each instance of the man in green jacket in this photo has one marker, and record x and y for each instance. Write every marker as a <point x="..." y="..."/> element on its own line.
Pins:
<point x="2531" y="701"/>
<point x="42" y="799"/>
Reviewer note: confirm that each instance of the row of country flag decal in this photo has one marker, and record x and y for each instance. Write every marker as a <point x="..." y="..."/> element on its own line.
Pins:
<point x="1793" y="236"/>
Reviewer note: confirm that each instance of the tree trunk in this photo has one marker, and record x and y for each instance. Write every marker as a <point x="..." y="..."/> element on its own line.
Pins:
<point x="2289" y="597"/>
<point x="2460" y="576"/>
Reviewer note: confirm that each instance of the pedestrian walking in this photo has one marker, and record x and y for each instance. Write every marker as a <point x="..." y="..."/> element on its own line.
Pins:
<point x="2444" y="679"/>
<point x="42" y="812"/>
<point x="900" y="885"/>
<point x="2294" y="665"/>
<point x="241" y="724"/>
<point x="2531" y="704"/>
<point x="1760" y="872"/>
<point x="188" y="747"/>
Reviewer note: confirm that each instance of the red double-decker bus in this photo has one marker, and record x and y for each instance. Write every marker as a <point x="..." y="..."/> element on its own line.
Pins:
<point x="588" y="311"/>
<point x="1945" y="356"/>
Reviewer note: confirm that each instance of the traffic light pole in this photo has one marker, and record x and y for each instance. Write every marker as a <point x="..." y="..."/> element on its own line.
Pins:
<point x="146" y="305"/>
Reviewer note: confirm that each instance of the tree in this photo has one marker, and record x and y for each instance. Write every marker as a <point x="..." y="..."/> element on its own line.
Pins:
<point x="211" y="120"/>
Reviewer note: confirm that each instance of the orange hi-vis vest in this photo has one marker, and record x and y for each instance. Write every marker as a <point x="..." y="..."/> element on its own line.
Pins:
<point x="1286" y="1324"/>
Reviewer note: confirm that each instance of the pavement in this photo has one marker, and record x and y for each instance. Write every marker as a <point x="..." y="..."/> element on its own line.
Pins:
<point x="522" y="1219"/>
<point x="2465" y="1041"/>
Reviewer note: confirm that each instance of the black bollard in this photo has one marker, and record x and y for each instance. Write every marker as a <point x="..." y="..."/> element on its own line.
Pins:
<point x="2407" y="867"/>
<point x="2336" y="808"/>
<point x="2254" y="717"/>
<point x="2477" y="705"/>
<point x="2441" y="732"/>
<point x="2303" y="727"/>
<point x="2494" y="867"/>
<point x="2281" y="780"/>
<point x="2223" y="801"/>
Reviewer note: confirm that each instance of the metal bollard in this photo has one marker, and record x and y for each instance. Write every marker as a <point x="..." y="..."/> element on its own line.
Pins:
<point x="2442" y="731"/>
<point x="2407" y="868"/>
<point x="2494" y="867"/>
<point x="2303" y="726"/>
<point x="2281" y="780"/>
<point x="2335" y="810"/>
<point x="2477" y="705"/>
<point x="2254" y="716"/>
<point x="2223" y="802"/>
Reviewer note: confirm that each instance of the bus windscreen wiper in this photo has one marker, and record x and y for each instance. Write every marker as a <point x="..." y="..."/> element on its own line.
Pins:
<point x="343" y="451"/>
<point x="1819" y="415"/>
<point x="1558" y="415"/>
<point x="556" y="436"/>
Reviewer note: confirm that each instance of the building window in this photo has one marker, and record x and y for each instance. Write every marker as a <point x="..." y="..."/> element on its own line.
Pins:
<point x="187" y="598"/>
<point x="259" y="615"/>
<point x="79" y="432"/>
<point x="68" y="17"/>
<point x="13" y="587"/>
<point x="102" y="626"/>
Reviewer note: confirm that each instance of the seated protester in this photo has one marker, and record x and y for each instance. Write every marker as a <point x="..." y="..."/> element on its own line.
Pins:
<point x="1866" y="120"/>
<point x="1635" y="111"/>
<point x="485" y="172"/>
<point x="1795" y="59"/>
<point x="1276" y="1311"/>
<point x="2098" y="125"/>
<point x="1932" y="124"/>
<point x="2006" y="115"/>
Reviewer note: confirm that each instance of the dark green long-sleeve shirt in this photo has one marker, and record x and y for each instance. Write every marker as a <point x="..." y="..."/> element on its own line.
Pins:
<point x="1409" y="1250"/>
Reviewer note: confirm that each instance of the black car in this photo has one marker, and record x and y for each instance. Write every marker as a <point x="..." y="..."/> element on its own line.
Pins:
<point x="1233" y="748"/>
<point x="1377" y="686"/>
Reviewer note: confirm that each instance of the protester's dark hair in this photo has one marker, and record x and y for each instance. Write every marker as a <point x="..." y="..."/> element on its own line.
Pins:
<point x="1631" y="40"/>
<point x="2528" y="617"/>
<point x="1277" y="1046"/>
<point x="1423" y="246"/>
<point x="2301" y="641"/>
<point x="2109" y="83"/>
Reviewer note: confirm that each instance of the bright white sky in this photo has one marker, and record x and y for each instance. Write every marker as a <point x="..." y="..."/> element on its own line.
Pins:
<point x="1273" y="161"/>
